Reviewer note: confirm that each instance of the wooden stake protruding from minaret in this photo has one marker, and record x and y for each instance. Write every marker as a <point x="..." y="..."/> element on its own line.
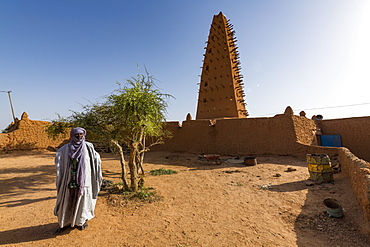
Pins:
<point x="221" y="93"/>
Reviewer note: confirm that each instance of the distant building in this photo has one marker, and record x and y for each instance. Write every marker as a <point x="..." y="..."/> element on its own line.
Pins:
<point x="221" y="89"/>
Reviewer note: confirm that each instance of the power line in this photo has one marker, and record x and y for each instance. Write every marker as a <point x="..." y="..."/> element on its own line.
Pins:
<point x="321" y="108"/>
<point x="329" y="107"/>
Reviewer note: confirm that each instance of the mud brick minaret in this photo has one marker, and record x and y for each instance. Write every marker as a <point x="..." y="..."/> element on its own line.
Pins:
<point x="221" y="89"/>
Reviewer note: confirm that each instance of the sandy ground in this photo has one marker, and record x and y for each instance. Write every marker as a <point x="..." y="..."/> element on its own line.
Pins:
<point x="203" y="205"/>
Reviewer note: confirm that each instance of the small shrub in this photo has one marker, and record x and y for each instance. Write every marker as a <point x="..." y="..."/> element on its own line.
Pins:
<point x="162" y="171"/>
<point x="144" y="194"/>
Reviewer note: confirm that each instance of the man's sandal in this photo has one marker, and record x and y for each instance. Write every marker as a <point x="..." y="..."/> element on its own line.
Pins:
<point x="83" y="227"/>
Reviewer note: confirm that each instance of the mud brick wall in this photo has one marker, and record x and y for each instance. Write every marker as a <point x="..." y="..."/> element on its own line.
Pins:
<point x="305" y="130"/>
<point x="28" y="135"/>
<point x="252" y="136"/>
<point x="358" y="171"/>
<point x="355" y="133"/>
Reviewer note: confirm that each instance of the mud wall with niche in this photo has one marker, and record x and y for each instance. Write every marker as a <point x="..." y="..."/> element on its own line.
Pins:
<point x="354" y="133"/>
<point x="27" y="134"/>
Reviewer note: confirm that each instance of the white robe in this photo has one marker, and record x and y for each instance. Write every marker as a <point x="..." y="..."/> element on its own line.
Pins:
<point x="85" y="205"/>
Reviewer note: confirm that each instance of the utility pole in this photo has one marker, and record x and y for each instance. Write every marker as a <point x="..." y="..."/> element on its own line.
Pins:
<point x="11" y="104"/>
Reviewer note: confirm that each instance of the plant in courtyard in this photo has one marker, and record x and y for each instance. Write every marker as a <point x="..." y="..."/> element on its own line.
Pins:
<point x="133" y="116"/>
<point x="162" y="171"/>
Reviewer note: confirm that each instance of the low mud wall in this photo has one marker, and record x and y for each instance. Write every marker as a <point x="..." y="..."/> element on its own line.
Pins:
<point x="247" y="136"/>
<point x="358" y="171"/>
<point x="231" y="136"/>
<point x="29" y="134"/>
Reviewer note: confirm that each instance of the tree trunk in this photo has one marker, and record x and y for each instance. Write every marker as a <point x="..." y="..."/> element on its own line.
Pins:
<point x="140" y="151"/>
<point x="140" y="161"/>
<point x="132" y="166"/>
<point x="142" y="155"/>
<point x="122" y="161"/>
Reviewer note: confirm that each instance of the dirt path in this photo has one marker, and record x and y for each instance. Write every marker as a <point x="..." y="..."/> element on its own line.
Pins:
<point x="203" y="205"/>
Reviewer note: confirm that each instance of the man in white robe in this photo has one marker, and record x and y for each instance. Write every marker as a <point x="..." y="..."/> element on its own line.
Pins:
<point x="78" y="181"/>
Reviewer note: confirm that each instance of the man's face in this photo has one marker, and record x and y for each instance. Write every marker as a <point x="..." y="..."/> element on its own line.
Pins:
<point x="79" y="136"/>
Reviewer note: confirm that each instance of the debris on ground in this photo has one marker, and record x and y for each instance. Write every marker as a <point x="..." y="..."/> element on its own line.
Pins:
<point x="106" y="184"/>
<point x="290" y="169"/>
<point x="232" y="171"/>
<point x="265" y="186"/>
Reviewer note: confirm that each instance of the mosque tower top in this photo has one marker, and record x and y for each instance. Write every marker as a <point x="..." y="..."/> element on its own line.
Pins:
<point x="221" y="92"/>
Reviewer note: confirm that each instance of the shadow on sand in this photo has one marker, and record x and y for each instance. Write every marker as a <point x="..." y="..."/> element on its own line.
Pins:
<point x="16" y="203"/>
<point x="29" y="234"/>
<point x="313" y="224"/>
<point x="36" y="177"/>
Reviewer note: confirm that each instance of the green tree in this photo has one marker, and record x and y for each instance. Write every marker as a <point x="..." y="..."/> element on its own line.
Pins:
<point x="133" y="116"/>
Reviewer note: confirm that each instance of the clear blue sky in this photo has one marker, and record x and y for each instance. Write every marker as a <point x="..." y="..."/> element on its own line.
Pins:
<point x="58" y="55"/>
